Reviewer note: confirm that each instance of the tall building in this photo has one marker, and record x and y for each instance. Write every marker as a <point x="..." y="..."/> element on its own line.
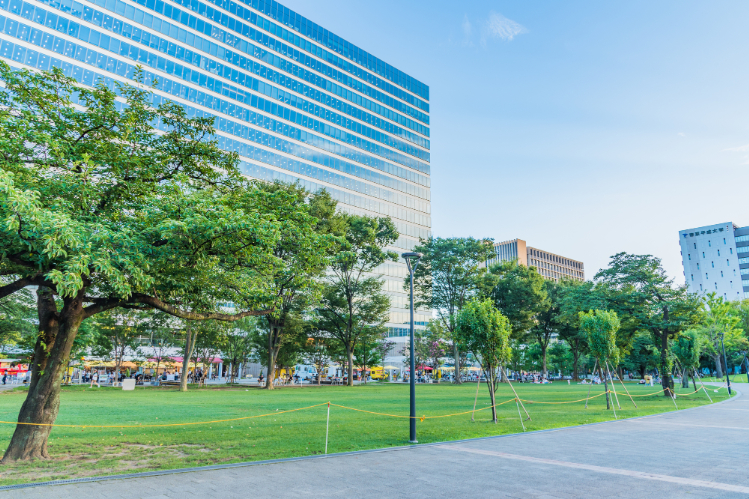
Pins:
<point x="716" y="259"/>
<point x="549" y="265"/>
<point x="297" y="102"/>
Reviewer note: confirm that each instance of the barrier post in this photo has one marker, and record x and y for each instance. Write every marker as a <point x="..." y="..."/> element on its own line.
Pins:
<point x="591" y="383"/>
<point x="478" y="383"/>
<point x="519" y="415"/>
<point x="703" y="386"/>
<point x="611" y="375"/>
<point x="327" y="427"/>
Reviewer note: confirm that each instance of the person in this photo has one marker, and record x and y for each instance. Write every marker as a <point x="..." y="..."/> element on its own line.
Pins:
<point x="95" y="379"/>
<point x="5" y="376"/>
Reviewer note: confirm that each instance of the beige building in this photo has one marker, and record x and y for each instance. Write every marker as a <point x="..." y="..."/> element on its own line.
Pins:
<point x="549" y="265"/>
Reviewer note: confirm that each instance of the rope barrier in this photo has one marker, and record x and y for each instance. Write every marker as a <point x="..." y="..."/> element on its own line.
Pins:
<point x="421" y="418"/>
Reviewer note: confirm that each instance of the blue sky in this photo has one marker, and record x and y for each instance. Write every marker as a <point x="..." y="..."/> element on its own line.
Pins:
<point x="585" y="128"/>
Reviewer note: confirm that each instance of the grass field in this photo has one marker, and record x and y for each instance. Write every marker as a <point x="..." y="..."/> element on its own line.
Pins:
<point x="78" y="452"/>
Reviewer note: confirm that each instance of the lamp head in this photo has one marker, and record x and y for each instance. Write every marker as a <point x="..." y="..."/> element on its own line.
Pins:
<point x="412" y="260"/>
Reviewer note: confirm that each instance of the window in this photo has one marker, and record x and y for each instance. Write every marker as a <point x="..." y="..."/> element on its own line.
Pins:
<point x="730" y="250"/>
<point x="721" y="273"/>
<point x="731" y="284"/>
<point x="728" y="264"/>
<point x="690" y="256"/>
<point x="718" y="252"/>
<point x="741" y="239"/>
<point x="706" y="276"/>
<point x="695" y="245"/>
<point x="703" y="254"/>
<point x="716" y="285"/>
<point x="710" y="244"/>
<point x="698" y="266"/>
<point x="724" y="240"/>
<point x="692" y="277"/>
<point x="713" y="264"/>
<point x="700" y="287"/>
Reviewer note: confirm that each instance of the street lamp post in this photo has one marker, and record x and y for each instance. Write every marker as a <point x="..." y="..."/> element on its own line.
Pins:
<point x="412" y="260"/>
<point x="725" y="362"/>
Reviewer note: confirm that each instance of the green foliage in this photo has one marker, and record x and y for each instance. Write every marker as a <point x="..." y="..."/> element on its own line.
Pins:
<point x="449" y="275"/>
<point x="483" y="330"/>
<point x="687" y="349"/>
<point x="519" y="293"/>
<point x="601" y="327"/>
<point x="642" y="356"/>
<point x="353" y="305"/>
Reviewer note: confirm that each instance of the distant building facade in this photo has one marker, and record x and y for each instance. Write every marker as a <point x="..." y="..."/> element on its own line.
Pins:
<point x="716" y="259"/>
<point x="549" y="265"/>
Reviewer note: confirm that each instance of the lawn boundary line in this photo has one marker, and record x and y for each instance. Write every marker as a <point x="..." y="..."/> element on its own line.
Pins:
<point x="144" y="474"/>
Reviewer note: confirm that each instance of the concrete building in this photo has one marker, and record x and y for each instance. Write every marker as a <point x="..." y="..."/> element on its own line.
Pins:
<point x="297" y="102"/>
<point x="716" y="259"/>
<point x="549" y="265"/>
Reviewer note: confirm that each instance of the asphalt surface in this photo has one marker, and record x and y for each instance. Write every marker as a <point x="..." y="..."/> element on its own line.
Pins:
<point x="701" y="452"/>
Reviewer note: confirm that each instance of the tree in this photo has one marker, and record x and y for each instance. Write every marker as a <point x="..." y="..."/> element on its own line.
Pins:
<point x="601" y="327"/>
<point x="447" y="277"/>
<point x="653" y="303"/>
<point x="687" y="349"/>
<point x="16" y="319"/>
<point x="519" y="293"/>
<point x="303" y="253"/>
<point x="642" y="355"/>
<point x="103" y="211"/>
<point x="238" y="345"/>
<point x="719" y="321"/>
<point x="353" y="305"/>
<point x="548" y="320"/>
<point x="368" y="352"/>
<point x="319" y="351"/>
<point x="115" y="336"/>
<point x="483" y="330"/>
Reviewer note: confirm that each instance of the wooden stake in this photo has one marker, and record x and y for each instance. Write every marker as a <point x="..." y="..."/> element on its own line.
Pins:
<point x="627" y="391"/>
<point x="608" y="368"/>
<point x="516" y="394"/>
<point x="591" y="384"/>
<point x="478" y="383"/>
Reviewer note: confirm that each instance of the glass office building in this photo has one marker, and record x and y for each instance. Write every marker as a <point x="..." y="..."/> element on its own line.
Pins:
<point x="297" y="102"/>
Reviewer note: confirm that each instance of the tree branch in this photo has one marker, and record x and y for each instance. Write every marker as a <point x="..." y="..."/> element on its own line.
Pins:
<point x="102" y="304"/>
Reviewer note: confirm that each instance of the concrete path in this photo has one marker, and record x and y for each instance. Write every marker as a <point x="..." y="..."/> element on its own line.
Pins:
<point x="698" y="453"/>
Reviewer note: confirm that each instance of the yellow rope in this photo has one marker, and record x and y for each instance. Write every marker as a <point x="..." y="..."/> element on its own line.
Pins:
<point x="422" y="418"/>
<point x="163" y="425"/>
<point x="567" y="402"/>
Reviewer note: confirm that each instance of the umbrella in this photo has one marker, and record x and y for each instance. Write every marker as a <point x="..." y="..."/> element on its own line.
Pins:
<point x="474" y="368"/>
<point x="391" y="367"/>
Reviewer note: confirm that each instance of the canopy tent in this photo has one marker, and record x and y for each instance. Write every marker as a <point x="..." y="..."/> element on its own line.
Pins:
<point x="178" y="360"/>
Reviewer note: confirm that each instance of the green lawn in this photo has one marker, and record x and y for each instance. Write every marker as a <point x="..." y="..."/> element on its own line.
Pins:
<point x="78" y="452"/>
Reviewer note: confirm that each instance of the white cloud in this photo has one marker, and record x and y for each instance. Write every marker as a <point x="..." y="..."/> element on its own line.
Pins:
<point x="498" y="26"/>
<point x="740" y="149"/>
<point x="467" y="29"/>
<point x="744" y="148"/>
<point x="681" y="134"/>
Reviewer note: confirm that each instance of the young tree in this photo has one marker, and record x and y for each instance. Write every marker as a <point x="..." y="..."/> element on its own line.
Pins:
<point x="103" y="211"/>
<point x="447" y="277"/>
<point x="353" y="305"/>
<point x="719" y="321"/>
<point x="601" y="327"/>
<point x="483" y="330"/>
<point x="687" y="349"/>
<point x="652" y="302"/>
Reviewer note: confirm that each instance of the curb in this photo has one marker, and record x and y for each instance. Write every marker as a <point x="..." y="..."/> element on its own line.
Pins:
<point x="247" y="464"/>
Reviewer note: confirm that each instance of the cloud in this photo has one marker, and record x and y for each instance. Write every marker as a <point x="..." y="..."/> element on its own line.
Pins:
<point x="681" y="134"/>
<point x="741" y="149"/>
<point x="744" y="148"/>
<point x="498" y="26"/>
<point x="467" y="29"/>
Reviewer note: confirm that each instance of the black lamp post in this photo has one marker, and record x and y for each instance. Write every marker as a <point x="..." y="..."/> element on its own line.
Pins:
<point x="725" y="362"/>
<point x="412" y="260"/>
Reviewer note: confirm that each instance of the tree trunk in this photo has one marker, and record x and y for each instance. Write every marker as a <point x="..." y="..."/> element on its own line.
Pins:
<point x="189" y="347"/>
<point x="718" y="365"/>
<point x="685" y="378"/>
<point x="605" y="387"/>
<point x="350" y="356"/>
<point x="490" y="384"/>
<point x="51" y="352"/>
<point x="544" y="369"/>
<point x="667" y="382"/>
<point x="456" y="354"/>
<point x="575" y="361"/>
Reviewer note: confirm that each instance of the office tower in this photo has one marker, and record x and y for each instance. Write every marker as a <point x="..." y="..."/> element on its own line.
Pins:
<point x="716" y="260"/>
<point x="549" y="265"/>
<point x="297" y="102"/>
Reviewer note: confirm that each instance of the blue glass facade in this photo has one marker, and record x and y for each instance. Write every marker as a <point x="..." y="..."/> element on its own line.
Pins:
<point x="295" y="101"/>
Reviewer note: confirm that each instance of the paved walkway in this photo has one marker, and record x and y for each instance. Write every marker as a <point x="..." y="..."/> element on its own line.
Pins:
<point x="698" y="453"/>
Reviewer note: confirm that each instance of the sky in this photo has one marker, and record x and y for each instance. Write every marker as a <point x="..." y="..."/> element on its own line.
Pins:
<point x="584" y="128"/>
